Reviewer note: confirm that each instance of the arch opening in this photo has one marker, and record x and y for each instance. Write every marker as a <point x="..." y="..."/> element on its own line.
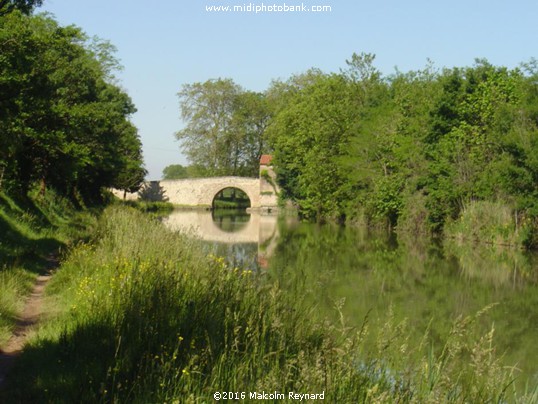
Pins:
<point x="231" y="198"/>
<point x="229" y="209"/>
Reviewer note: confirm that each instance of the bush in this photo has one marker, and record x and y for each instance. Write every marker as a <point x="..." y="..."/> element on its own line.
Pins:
<point x="486" y="222"/>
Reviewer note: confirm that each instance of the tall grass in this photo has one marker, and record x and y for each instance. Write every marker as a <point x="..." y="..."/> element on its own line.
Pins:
<point x="491" y="223"/>
<point x="145" y="315"/>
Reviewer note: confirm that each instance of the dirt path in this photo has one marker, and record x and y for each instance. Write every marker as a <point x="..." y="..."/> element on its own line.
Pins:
<point x="25" y="323"/>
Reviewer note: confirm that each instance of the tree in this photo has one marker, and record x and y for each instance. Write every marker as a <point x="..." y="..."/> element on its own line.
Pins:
<point x="309" y="135"/>
<point x="225" y="127"/>
<point x="208" y="138"/>
<point x="62" y="122"/>
<point x="481" y="141"/>
<point x="175" y="172"/>
<point x="250" y="121"/>
<point x="24" y="6"/>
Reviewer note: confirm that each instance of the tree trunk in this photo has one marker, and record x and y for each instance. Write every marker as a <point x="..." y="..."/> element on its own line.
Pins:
<point x="43" y="187"/>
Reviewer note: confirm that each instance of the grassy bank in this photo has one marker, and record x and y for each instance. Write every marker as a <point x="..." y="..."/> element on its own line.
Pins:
<point x="144" y="315"/>
<point x="34" y="231"/>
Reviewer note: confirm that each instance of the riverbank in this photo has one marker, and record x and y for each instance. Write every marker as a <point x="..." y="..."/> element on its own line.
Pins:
<point x="142" y="314"/>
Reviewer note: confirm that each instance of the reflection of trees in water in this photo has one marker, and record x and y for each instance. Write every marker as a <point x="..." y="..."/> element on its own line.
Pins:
<point x="427" y="284"/>
<point x="230" y="220"/>
<point x="496" y="265"/>
<point x="243" y="255"/>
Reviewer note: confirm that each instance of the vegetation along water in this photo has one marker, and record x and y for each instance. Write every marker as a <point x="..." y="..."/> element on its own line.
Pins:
<point x="144" y="314"/>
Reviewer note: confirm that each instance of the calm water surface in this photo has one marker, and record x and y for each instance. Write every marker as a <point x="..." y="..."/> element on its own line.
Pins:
<point x="371" y="275"/>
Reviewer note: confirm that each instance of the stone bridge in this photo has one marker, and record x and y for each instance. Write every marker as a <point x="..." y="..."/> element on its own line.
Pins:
<point x="200" y="192"/>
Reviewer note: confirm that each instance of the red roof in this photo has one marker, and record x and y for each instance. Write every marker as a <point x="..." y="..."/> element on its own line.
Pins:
<point x="265" y="159"/>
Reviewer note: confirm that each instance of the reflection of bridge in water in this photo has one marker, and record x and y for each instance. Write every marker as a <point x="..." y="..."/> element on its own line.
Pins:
<point x="256" y="228"/>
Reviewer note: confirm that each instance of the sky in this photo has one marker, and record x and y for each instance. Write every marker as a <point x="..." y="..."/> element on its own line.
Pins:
<point x="166" y="44"/>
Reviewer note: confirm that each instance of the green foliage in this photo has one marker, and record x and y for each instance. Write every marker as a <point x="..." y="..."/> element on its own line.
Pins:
<point x="153" y="192"/>
<point x="225" y="127"/>
<point x="146" y="315"/>
<point x="476" y="155"/>
<point x="359" y="145"/>
<point x="175" y="172"/>
<point x="308" y="137"/>
<point x="24" y="6"/>
<point x="157" y="208"/>
<point x="32" y="229"/>
<point x="231" y="198"/>
<point x="492" y="223"/>
<point x="15" y="285"/>
<point x="63" y="122"/>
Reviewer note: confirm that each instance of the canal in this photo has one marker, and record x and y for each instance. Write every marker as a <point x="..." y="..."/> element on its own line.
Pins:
<point x="357" y="277"/>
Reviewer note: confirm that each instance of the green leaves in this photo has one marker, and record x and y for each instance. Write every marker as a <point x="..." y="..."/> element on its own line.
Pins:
<point x="475" y="154"/>
<point x="309" y="135"/>
<point x="356" y="143"/>
<point x="24" y="6"/>
<point x="62" y="122"/>
<point x="225" y="127"/>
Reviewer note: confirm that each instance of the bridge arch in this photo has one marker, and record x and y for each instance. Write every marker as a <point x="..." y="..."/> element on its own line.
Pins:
<point x="250" y="186"/>
<point x="230" y="194"/>
<point x="200" y="192"/>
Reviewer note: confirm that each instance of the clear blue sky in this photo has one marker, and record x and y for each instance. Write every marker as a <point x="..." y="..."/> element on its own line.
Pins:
<point x="165" y="44"/>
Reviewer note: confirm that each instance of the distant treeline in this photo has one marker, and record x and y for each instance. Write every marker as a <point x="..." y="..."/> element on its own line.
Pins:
<point x="64" y="122"/>
<point x="415" y="150"/>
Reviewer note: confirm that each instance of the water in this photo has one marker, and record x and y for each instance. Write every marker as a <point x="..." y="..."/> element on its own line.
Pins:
<point x="370" y="275"/>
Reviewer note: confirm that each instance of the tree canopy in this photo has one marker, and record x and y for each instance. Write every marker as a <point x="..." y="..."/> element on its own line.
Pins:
<point x="175" y="172"/>
<point x="24" y="6"/>
<point x="63" y="123"/>
<point x="412" y="149"/>
<point x="225" y="126"/>
<point x="415" y="150"/>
